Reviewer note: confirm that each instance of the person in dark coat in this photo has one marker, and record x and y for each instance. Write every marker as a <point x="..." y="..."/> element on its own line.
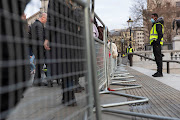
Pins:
<point x="12" y="29"/>
<point x="38" y="35"/>
<point x="61" y="69"/>
<point x="78" y="53"/>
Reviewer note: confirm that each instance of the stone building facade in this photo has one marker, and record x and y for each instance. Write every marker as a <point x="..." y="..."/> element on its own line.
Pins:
<point x="139" y="38"/>
<point x="117" y="35"/>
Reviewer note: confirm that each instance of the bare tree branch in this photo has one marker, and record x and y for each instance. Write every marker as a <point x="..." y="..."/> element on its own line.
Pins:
<point x="141" y="14"/>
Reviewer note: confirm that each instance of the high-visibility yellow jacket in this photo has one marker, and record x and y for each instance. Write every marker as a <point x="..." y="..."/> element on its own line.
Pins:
<point x="129" y="50"/>
<point x="154" y="34"/>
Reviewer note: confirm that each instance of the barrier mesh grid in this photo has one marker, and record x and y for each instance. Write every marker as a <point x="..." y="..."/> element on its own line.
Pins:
<point x="65" y="62"/>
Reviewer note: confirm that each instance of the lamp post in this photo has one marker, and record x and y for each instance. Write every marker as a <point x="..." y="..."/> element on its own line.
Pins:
<point x="130" y="22"/>
<point x="122" y="42"/>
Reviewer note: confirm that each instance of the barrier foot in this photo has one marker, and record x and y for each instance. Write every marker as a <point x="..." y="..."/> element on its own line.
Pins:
<point x="141" y="99"/>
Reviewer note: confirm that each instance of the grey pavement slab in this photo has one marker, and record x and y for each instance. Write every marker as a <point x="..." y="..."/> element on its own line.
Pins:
<point x="44" y="103"/>
<point x="172" y="80"/>
<point x="164" y="100"/>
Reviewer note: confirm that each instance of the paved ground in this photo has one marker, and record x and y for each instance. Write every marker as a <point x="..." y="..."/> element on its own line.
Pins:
<point x="163" y="99"/>
<point x="171" y="79"/>
<point x="44" y="103"/>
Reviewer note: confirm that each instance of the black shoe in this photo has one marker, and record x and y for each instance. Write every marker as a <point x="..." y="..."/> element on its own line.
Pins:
<point x="49" y="84"/>
<point x="63" y="102"/>
<point x="36" y="84"/>
<point x="73" y="104"/>
<point x="79" y="89"/>
<point x="43" y="84"/>
<point x="158" y="75"/>
<point x="155" y="74"/>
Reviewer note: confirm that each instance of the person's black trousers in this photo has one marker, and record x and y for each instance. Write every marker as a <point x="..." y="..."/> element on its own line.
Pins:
<point x="158" y="57"/>
<point x="38" y="52"/>
<point x="68" y="91"/>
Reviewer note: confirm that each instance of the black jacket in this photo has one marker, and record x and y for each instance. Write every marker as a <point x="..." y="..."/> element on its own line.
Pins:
<point x="37" y="32"/>
<point x="159" y="31"/>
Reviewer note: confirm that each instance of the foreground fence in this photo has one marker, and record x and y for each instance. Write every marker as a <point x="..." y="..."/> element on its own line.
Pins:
<point x="68" y="60"/>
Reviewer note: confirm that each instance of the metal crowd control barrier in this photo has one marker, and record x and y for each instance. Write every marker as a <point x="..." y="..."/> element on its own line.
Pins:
<point x="101" y="73"/>
<point x="69" y="60"/>
<point x="101" y="50"/>
<point x="123" y="77"/>
<point x="107" y="69"/>
<point x="119" y="72"/>
<point x="114" y="72"/>
<point x="120" y="77"/>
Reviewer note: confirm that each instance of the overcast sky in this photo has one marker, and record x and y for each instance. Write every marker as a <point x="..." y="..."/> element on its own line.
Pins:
<point x="114" y="13"/>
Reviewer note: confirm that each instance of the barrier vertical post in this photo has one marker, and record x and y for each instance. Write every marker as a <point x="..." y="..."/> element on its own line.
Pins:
<point x="105" y="53"/>
<point x="92" y="61"/>
<point x="90" y="75"/>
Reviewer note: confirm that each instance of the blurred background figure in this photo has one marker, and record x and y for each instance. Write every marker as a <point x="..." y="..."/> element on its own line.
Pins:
<point x="62" y="53"/>
<point x="38" y="34"/>
<point x="95" y="30"/>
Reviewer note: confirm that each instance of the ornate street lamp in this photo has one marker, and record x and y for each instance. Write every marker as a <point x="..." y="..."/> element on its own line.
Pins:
<point x="130" y="23"/>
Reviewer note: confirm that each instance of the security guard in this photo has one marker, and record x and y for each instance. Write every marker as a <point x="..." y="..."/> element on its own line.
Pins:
<point x="156" y="40"/>
<point x="129" y="50"/>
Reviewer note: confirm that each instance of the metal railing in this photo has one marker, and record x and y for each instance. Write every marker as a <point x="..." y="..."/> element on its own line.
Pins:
<point x="168" y="54"/>
<point x="145" y="57"/>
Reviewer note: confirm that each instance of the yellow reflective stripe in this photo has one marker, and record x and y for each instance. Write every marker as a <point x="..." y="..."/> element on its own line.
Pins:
<point x="153" y="29"/>
<point x="153" y="39"/>
<point x="161" y="43"/>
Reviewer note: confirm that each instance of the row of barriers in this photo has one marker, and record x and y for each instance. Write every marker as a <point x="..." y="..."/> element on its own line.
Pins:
<point x="110" y="73"/>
